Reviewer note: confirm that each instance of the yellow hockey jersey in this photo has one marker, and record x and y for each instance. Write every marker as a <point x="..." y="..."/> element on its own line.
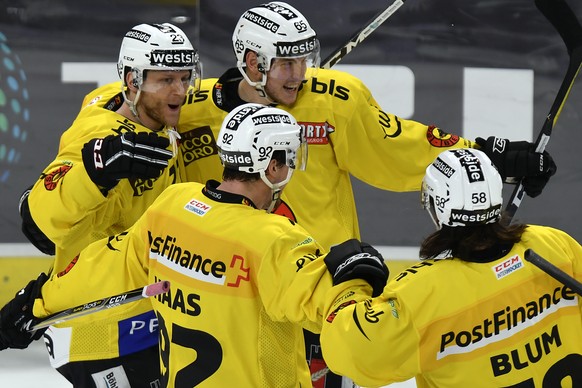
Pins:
<point x="347" y="132"/>
<point x="452" y="323"/>
<point x="243" y="284"/>
<point x="71" y="210"/>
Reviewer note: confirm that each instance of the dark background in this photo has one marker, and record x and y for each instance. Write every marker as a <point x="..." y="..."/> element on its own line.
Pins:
<point x="437" y="39"/>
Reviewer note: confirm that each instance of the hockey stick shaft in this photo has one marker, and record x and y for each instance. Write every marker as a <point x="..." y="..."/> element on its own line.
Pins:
<point x="103" y="304"/>
<point x="362" y="34"/>
<point x="553" y="271"/>
<point x="565" y="22"/>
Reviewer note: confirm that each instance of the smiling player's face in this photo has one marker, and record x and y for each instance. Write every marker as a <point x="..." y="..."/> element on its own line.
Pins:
<point x="162" y="95"/>
<point x="284" y="79"/>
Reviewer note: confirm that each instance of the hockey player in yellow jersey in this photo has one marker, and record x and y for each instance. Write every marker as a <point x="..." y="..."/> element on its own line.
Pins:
<point x="347" y="131"/>
<point x="112" y="162"/>
<point x="277" y="54"/>
<point x="473" y="313"/>
<point x="244" y="282"/>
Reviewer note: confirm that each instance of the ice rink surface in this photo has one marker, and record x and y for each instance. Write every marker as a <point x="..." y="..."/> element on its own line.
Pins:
<point x="30" y="368"/>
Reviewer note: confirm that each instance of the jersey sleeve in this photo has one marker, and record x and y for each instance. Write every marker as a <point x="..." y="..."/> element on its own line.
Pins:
<point x="67" y="206"/>
<point x="101" y="94"/>
<point x="382" y="149"/>
<point x="64" y="201"/>
<point x="109" y="266"/>
<point x="293" y="280"/>
<point x="359" y="328"/>
<point x="570" y="258"/>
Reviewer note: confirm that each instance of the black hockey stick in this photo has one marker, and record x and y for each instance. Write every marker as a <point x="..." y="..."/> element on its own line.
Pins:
<point x="553" y="271"/>
<point x="360" y="35"/>
<point x="102" y="304"/>
<point x="565" y="22"/>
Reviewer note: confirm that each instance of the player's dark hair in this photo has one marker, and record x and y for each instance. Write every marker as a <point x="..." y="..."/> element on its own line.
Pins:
<point x="471" y="243"/>
<point x="230" y="174"/>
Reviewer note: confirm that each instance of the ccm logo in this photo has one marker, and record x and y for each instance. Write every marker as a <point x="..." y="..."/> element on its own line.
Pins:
<point x="507" y="267"/>
<point x="115" y="301"/>
<point x="97" y="155"/>
<point x="506" y="264"/>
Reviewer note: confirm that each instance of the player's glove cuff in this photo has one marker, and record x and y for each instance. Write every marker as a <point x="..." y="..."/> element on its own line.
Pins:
<point x="16" y="317"/>
<point x="354" y="260"/>
<point x="519" y="160"/>
<point x="130" y="155"/>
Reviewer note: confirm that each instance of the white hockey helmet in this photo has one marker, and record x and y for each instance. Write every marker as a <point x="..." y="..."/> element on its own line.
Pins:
<point x="251" y="133"/>
<point x="274" y="30"/>
<point x="157" y="47"/>
<point x="461" y="188"/>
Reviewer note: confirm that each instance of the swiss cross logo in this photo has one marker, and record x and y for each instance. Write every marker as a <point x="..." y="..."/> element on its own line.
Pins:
<point x="239" y="272"/>
<point x="507" y="267"/>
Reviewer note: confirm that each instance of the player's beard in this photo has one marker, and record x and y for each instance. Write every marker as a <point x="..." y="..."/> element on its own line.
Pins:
<point x="158" y="111"/>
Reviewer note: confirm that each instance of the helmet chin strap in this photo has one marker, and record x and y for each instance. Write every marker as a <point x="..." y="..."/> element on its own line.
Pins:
<point x="260" y="88"/>
<point x="274" y="199"/>
<point x="276" y="188"/>
<point x="132" y="104"/>
<point x="263" y="94"/>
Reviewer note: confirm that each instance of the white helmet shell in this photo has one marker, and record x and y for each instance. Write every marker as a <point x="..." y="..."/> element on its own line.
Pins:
<point x="462" y="188"/>
<point x="157" y="47"/>
<point x="251" y="133"/>
<point x="274" y="30"/>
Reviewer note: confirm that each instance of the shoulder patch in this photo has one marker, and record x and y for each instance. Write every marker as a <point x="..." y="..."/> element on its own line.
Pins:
<point x="52" y="178"/>
<point x="438" y="138"/>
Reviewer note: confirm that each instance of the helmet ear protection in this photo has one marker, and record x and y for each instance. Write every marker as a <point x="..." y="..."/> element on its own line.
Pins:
<point x="462" y="188"/>
<point x="134" y="80"/>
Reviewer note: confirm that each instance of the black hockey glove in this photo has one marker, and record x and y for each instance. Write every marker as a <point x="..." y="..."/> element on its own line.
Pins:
<point x="518" y="159"/>
<point x="355" y="260"/>
<point x="16" y="317"/>
<point x="31" y="230"/>
<point x="130" y="155"/>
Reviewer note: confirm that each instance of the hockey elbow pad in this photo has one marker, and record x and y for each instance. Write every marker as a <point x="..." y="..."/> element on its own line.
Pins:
<point x="31" y="230"/>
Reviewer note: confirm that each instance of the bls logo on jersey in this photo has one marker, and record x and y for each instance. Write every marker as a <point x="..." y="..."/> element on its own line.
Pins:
<point x="198" y="143"/>
<point x="199" y="96"/>
<point x="338" y="91"/>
